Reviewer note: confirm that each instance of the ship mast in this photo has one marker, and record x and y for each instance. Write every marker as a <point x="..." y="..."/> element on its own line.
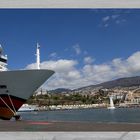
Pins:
<point x="38" y="56"/>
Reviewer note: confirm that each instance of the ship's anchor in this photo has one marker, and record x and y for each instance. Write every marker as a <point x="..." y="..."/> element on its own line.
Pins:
<point x="16" y="116"/>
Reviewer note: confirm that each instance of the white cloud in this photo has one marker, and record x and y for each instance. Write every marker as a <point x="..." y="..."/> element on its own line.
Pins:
<point x="106" y="18"/>
<point x="115" y="16"/>
<point x="85" y="52"/>
<point x="77" y="49"/>
<point x="88" y="60"/>
<point x="69" y="76"/>
<point x="61" y="65"/>
<point x="31" y="66"/>
<point x="65" y="73"/>
<point x="112" y="19"/>
<point x="118" y="21"/>
<point x="106" y="25"/>
<point x="53" y="55"/>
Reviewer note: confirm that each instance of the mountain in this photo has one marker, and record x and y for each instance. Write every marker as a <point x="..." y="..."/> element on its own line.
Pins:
<point x="60" y="90"/>
<point x="121" y="82"/>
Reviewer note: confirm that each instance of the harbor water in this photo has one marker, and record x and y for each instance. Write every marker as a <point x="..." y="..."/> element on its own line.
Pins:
<point x="119" y="115"/>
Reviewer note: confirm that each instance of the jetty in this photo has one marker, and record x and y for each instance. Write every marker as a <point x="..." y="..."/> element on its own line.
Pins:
<point x="66" y="126"/>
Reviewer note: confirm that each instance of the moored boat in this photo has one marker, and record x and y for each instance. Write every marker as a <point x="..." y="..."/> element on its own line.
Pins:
<point x="111" y="103"/>
<point x="27" y="108"/>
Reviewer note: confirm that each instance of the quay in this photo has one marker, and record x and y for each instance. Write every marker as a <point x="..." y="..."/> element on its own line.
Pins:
<point x="69" y="107"/>
<point x="30" y="126"/>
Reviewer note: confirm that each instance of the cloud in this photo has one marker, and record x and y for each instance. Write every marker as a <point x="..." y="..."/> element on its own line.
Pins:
<point x="106" y="25"/>
<point x="85" y="52"/>
<point x="112" y="19"/>
<point x="105" y="21"/>
<point x="65" y="73"/>
<point x="119" y="21"/>
<point x="117" y="68"/>
<point x="77" y="49"/>
<point x="61" y="65"/>
<point x="53" y="55"/>
<point x="88" y="60"/>
<point x="106" y="18"/>
<point x="115" y="16"/>
<point x="68" y="75"/>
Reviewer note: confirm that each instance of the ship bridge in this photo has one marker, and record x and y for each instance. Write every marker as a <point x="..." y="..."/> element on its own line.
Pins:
<point x="3" y="60"/>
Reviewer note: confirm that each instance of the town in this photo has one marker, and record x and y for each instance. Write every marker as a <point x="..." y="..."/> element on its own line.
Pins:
<point x="86" y="98"/>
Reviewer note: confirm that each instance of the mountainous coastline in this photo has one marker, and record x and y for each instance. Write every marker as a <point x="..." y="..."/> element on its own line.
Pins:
<point x="125" y="92"/>
<point x="121" y="82"/>
<point x="60" y="90"/>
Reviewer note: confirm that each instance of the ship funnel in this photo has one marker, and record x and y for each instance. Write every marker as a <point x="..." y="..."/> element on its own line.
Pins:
<point x="38" y="56"/>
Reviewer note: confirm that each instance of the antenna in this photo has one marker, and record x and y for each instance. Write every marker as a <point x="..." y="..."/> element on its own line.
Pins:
<point x="38" y="56"/>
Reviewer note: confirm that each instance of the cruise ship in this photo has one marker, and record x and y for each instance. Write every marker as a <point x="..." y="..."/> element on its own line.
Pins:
<point x="16" y="86"/>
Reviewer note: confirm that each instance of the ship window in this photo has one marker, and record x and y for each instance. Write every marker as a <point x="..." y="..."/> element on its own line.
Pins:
<point x="3" y="86"/>
<point x="3" y="60"/>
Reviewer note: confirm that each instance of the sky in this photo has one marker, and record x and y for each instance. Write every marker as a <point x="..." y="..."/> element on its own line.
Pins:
<point x="83" y="46"/>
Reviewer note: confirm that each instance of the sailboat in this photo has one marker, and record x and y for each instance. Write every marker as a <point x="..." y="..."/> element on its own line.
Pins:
<point x="111" y="103"/>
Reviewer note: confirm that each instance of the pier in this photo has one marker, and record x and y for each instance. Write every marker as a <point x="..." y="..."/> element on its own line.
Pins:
<point x="66" y="126"/>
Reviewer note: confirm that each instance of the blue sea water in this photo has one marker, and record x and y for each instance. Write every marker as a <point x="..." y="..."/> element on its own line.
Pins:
<point x="129" y="115"/>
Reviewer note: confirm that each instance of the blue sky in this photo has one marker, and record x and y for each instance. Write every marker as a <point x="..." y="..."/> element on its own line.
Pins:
<point x="83" y="37"/>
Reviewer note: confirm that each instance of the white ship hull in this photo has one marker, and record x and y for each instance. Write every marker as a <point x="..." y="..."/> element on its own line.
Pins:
<point x="17" y="86"/>
<point x="27" y="108"/>
<point x="111" y="107"/>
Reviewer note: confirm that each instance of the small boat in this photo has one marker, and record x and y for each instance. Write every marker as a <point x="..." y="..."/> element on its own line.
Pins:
<point x="111" y="103"/>
<point x="27" y="108"/>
